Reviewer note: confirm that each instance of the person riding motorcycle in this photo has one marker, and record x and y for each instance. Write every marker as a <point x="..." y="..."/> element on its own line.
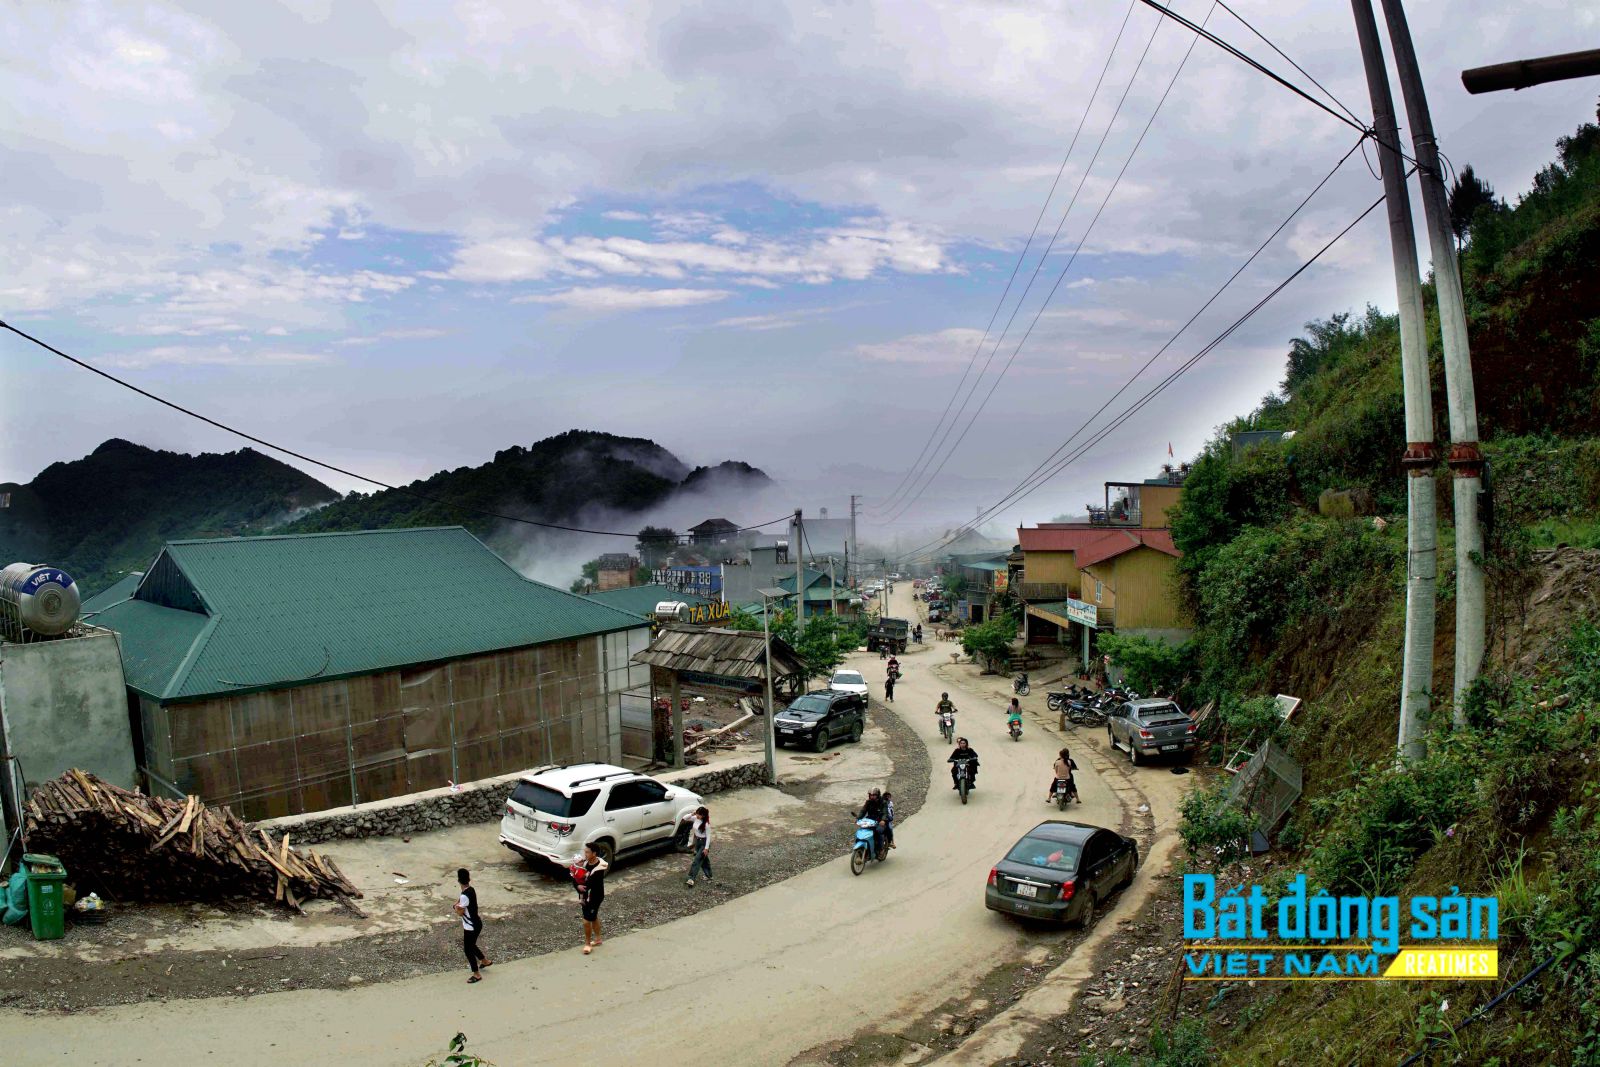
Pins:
<point x="963" y="753"/>
<point x="874" y="809"/>
<point x="945" y="704"/>
<point x="894" y="666"/>
<point x="1064" y="766"/>
<point x="1014" y="715"/>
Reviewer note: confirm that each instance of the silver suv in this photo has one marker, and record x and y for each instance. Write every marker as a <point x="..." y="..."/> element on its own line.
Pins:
<point x="553" y="812"/>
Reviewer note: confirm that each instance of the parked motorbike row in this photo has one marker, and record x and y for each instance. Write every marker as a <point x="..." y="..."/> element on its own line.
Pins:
<point x="1082" y="706"/>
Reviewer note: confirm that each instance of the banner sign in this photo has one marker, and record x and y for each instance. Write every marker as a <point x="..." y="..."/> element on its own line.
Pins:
<point x="1084" y="613"/>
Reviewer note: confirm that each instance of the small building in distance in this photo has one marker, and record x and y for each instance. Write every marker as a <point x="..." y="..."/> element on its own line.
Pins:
<point x="714" y="532"/>
<point x="295" y="673"/>
<point x="616" y="571"/>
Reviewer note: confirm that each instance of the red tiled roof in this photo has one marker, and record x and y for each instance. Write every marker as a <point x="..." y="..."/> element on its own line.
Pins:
<point x="1117" y="542"/>
<point x="1060" y="537"/>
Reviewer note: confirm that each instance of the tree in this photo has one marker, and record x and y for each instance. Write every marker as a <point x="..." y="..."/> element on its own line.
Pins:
<point x="1467" y="194"/>
<point x="989" y="641"/>
<point x="1149" y="666"/>
<point x="820" y="646"/>
<point x="655" y="542"/>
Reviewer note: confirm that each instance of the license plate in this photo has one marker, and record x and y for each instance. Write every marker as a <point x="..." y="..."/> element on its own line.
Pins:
<point x="1029" y="891"/>
<point x="531" y="824"/>
<point x="786" y="731"/>
<point x="1169" y="748"/>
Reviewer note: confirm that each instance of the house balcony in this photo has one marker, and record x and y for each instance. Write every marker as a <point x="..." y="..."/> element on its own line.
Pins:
<point x="1039" y="592"/>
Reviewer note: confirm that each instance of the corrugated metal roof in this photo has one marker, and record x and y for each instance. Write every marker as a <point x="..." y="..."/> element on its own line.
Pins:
<point x="720" y="651"/>
<point x="642" y="599"/>
<point x="117" y="592"/>
<point x="1120" y="541"/>
<point x="299" y="608"/>
<point x="986" y="565"/>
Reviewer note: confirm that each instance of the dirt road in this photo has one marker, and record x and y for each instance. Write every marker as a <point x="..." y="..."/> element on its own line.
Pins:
<point x="808" y="960"/>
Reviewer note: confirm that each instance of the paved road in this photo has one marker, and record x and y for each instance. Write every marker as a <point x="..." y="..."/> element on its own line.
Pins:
<point x="809" y="960"/>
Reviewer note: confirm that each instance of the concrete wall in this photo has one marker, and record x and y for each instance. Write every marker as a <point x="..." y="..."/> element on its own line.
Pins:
<point x="64" y="704"/>
<point x="479" y="802"/>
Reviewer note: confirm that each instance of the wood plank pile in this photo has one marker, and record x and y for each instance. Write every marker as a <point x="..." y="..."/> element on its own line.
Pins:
<point x="129" y="846"/>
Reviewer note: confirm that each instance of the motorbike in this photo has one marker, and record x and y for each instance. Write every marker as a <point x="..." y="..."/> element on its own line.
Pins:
<point x="1063" y="792"/>
<point x="1015" y="726"/>
<point x="947" y="726"/>
<point x="1019" y="684"/>
<point x="963" y="778"/>
<point x="866" y="847"/>
<point x="1084" y="713"/>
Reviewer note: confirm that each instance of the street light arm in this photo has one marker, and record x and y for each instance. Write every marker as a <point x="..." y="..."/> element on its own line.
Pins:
<point x="1521" y="73"/>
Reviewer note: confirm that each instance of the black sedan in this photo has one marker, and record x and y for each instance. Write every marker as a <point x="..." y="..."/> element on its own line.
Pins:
<point x="1061" y="871"/>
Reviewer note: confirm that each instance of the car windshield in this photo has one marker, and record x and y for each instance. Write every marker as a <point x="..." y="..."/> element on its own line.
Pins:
<point x="809" y="707"/>
<point x="848" y="678"/>
<point x="1043" y="852"/>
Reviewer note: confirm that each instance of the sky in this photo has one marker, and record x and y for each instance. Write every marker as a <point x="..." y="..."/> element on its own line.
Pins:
<point x="400" y="237"/>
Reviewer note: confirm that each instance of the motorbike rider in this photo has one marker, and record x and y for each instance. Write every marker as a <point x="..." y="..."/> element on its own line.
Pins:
<point x="874" y="809"/>
<point x="964" y="753"/>
<point x="945" y="704"/>
<point x="1063" y="769"/>
<point x="894" y="665"/>
<point x="1014" y="714"/>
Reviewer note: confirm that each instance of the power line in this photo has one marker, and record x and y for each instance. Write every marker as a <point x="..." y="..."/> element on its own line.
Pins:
<point x="325" y="465"/>
<point x="1268" y="41"/>
<point x="1020" y="492"/>
<point x="912" y="472"/>
<point x="1070" y="261"/>
<point x="1201" y="310"/>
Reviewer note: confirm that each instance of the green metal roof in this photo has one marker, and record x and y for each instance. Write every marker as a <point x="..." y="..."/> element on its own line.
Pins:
<point x="118" y="591"/>
<point x="642" y="599"/>
<point x="986" y="565"/>
<point x="237" y="614"/>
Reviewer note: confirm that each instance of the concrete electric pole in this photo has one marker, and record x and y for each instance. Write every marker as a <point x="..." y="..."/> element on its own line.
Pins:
<point x="799" y="575"/>
<point x="1466" y="462"/>
<point x="1418" y="461"/>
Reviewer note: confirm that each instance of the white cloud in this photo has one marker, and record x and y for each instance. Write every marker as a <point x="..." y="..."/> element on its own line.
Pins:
<point x="944" y="348"/>
<point x="205" y="355"/>
<point x="614" y="298"/>
<point x="624" y="216"/>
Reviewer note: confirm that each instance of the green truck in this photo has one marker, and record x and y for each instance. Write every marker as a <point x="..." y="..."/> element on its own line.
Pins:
<point x="889" y="633"/>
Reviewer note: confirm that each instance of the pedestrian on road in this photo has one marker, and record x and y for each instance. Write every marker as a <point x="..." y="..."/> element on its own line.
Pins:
<point x="700" y="839"/>
<point x="590" y="895"/>
<point x="888" y="689"/>
<point x="471" y="925"/>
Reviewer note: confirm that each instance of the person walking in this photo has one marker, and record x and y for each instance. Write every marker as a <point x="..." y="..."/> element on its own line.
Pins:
<point x="888" y="689"/>
<point x="700" y="840"/>
<point x="591" y="894"/>
<point x="471" y="925"/>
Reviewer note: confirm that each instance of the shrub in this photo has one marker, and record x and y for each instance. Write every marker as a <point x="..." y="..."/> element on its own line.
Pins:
<point x="1149" y="666"/>
<point x="1213" y="828"/>
<point x="989" y="642"/>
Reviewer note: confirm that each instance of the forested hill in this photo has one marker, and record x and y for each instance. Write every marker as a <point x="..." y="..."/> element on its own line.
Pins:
<point x="112" y="510"/>
<point x="557" y="479"/>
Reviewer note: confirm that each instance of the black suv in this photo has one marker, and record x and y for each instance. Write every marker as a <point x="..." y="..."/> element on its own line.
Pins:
<point x="817" y="719"/>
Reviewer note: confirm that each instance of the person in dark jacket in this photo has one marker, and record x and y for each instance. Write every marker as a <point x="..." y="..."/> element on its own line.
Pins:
<point x="591" y="892"/>
<point x="875" y="810"/>
<point x="963" y="753"/>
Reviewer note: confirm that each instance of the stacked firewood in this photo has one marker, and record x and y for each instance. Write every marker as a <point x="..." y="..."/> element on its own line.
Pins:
<point x="130" y="846"/>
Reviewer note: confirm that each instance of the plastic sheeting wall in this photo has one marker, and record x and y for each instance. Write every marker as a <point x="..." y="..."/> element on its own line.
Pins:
<point x="330" y="744"/>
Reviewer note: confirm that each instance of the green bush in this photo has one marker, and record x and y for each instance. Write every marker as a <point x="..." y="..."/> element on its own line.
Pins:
<point x="1212" y="828"/>
<point x="989" y="642"/>
<point x="1149" y="666"/>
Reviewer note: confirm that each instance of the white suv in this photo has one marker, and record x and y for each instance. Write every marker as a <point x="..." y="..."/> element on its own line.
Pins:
<point x="554" y="811"/>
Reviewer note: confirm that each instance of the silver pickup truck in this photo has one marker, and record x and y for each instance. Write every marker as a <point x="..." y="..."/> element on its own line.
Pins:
<point x="1151" y="727"/>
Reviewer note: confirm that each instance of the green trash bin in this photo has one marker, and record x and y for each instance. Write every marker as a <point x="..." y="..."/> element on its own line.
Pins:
<point x="47" y="911"/>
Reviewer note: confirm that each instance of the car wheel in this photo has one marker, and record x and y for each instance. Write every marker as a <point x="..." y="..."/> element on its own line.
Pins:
<point x="1133" y="752"/>
<point x="1086" y="917"/>
<point x="820" y="743"/>
<point x="1111" y="739"/>
<point x="606" y="849"/>
<point x="855" y="732"/>
<point x="680" y="840"/>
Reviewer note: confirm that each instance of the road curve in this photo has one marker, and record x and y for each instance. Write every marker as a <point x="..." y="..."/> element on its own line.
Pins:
<point x="809" y="960"/>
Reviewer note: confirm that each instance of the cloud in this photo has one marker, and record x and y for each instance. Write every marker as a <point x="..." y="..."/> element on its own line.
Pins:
<point x="780" y="320"/>
<point x="949" y="347"/>
<point x="211" y="355"/>
<point x="614" y="298"/>
<point x="624" y="216"/>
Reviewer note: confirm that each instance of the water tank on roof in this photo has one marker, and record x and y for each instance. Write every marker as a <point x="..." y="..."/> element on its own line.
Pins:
<point x="671" y="611"/>
<point x="42" y="599"/>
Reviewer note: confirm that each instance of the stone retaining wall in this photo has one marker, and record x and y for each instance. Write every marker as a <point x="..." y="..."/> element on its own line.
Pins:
<point x="478" y="802"/>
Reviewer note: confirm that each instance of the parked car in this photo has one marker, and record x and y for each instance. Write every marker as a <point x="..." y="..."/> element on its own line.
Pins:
<point x="816" y="720"/>
<point x="1151" y="727"/>
<point x="553" y="812"/>
<point x="848" y="682"/>
<point x="1061" y="871"/>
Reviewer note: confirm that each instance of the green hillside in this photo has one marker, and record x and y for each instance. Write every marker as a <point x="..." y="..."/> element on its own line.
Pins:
<point x="1295" y="598"/>
<point x="112" y="510"/>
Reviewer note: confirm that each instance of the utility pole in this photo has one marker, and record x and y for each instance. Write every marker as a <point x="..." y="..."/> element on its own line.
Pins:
<point x="833" y="592"/>
<point x="852" y="549"/>
<point x="1418" y="461"/>
<point x="1521" y="73"/>
<point x="799" y="575"/>
<point x="1465" y="461"/>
